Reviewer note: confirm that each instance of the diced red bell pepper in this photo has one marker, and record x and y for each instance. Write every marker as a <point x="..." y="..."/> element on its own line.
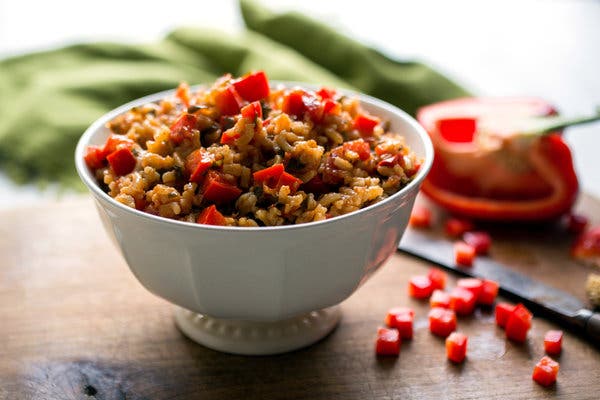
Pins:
<point x="518" y="324"/>
<point x="326" y="93"/>
<point x="462" y="301"/>
<point x="456" y="347"/>
<point x="576" y="223"/>
<point x="217" y="190"/>
<point x="420" y="287"/>
<point x="553" y="342"/>
<point x="457" y="130"/>
<point x="587" y="246"/>
<point x="545" y="371"/>
<point x="480" y="241"/>
<point x="464" y="254"/>
<point x="211" y="216"/>
<point x="442" y="321"/>
<point x="455" y="227"/>
<point x="316" y="185"/>
<point x="388" y="342"/>
<point x="94" y="157"/>
<point x="473" y="285"/>
<point x="468" y="179"/>
<point x="253" y="87"/>
<point x="331" y="107"/>
<point x="289" y="180"/>
<point x="298" y="102"/>
<point x="438" y="278"/>
<point x="420" y="217"/>
<point x="122" y="161"/>
<point x="183" y="94"/>
<point x="230" y="136"/>
<point x="439" y="298"/>
<point x="228" y="101"/>
<point x="115" y="142"/>
<point x="293" y="104"/>
<point x="182" y="128"/>
<point x="401" y="318"/>
<point x="360" y="147"/>
<point x="252" y="111"/>
<point x="503" y="311"/>
<point x="197" y="163"/>
<point x="488" y="294"/>
<point x="365" y="123"/>
<point x="269" y="176"/>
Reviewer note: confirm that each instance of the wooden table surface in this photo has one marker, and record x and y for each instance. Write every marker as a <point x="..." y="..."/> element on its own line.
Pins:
<point x="75" y="324"/>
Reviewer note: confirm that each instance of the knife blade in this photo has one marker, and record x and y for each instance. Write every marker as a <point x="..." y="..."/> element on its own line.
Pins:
<point x="542" y="299"/>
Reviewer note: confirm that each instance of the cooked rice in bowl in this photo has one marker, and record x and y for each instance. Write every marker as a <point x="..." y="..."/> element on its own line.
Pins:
<point x="243" y="154"/>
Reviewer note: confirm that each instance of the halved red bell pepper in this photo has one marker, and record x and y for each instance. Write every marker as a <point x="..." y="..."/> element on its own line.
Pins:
<point x="122" y="161"/>
<point x="504" y="178"/>
<point x="211" y="216"/>
<point x="197" y="163"/>
<point x="217" y="190"/>
<point x="182" y="128"/>
<point x="253" y="87"/>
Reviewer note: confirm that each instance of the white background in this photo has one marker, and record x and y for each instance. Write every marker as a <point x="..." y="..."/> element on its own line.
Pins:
<point x="545" y="48"/>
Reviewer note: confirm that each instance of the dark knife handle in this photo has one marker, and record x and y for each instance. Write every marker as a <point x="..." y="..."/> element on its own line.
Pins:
<point x="589" y="322"/>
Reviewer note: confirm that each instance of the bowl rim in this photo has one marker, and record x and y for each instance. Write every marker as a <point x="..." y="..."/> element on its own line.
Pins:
<point x="87" y="178"/>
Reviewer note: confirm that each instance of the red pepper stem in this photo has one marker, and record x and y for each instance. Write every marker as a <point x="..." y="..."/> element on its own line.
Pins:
<point x="544" y="125"/>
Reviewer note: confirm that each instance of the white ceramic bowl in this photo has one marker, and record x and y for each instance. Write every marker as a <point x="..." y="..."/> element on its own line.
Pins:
<point x="265" y="273"/>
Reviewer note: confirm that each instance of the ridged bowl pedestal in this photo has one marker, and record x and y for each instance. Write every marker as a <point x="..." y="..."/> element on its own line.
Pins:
<point x="257" y="337"/>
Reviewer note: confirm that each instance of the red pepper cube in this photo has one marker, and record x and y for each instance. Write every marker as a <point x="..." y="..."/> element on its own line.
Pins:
<point x="388" y="342"/>
<point x="196" y="165"/>
<point x="365" y="124"/>
<point x="462" y="301"/>
<point x="228" y="101"/>
<point x="360" y="147"/>
<point x="473" y="285"/>
<point x="115" y="142"/>
<point x="518" y="324"/>
<point x="293" y="103"/>
<point x="439" y="298"/>
<point x="217" y="190"/>
<point x="456" y="347"/>
<point x="252" y="87"/>
<point x="401" y="318"/>
<point x="122" y="161"/>
<point x="269" y="176"/>
<point x="420" y="217"/>
<point x="331" y="107"/>
<point x="457" y="130"/>
<point x="456" y="227"/>
<point x="230" y="136"/>
<point x="211" y="216"/>
<point x="252" y="111"/>
<point x="438" y="278"/>
<point x="480" y="241"/>
<point x="545" y="371"/>
<point x="553" y="342"/>
<point x="488" y="294"/>
<point x="503" y="311"/>
<point x="326" y="93"/>
<point x="576" y="223"/>
<point x="464" y="254"/>
<point x="442" y="321"/>
<point x="94" y="157"/>
<point x="182" y="128"/>
<point x="420" y="287"/>
<point x="289" y="180"/>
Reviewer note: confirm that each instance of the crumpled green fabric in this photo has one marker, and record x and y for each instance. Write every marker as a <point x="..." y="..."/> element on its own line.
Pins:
<point x="48" y="99"/>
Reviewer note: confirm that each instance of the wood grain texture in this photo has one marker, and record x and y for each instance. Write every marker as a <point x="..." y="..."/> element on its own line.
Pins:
<point x="75" y="324"/>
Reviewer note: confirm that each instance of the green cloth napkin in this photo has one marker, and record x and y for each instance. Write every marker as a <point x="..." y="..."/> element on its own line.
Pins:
<point x="48" y="99"/>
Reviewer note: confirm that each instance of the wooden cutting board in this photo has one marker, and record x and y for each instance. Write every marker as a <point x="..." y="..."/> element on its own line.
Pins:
<point x="75" y="324"/>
